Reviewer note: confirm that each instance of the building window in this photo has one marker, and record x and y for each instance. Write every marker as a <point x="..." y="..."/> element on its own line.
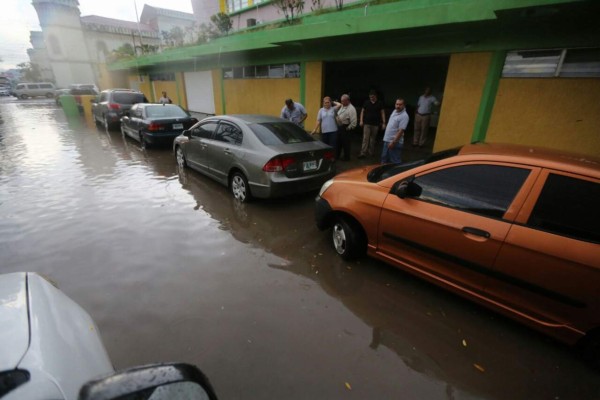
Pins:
<point x="236" y="5"/>
<point x="162" y="76"/>
<point x="263" y="71"/>
<point x="572" y="63"/>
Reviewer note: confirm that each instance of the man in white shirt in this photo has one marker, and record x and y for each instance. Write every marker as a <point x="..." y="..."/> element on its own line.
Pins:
<point x="393" y="138"/>
<point x="346" y="120"/>
<point x="164" y="99"/>
<point x="423" y="117"/>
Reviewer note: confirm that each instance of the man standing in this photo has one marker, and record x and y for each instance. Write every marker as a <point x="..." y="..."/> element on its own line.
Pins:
<point x="164" y="99"/>
<point x="393" y="139"/>
<point x="423" y="117"/>
<point x="346" y="121"/>
<point x="372" y="117"/>
<point x="294" y="112"/>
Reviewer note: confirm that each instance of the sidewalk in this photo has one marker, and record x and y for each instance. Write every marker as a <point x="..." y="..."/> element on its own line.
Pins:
<point x="409" y="153"/>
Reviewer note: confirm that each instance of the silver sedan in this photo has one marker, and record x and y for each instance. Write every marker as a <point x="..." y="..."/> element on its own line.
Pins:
<point x="256" y="155"/>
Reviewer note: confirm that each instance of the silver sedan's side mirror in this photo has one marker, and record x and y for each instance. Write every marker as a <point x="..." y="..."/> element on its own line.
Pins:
<point x="153" y="382"/>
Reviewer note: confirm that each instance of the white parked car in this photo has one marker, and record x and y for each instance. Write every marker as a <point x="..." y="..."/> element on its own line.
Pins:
<point x="50" y="349"/>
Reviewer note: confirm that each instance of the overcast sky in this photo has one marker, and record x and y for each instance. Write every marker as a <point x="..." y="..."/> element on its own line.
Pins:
<point x="18" y="17"/>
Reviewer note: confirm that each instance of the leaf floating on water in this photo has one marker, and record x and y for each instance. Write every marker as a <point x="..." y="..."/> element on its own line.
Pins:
<point x="479" y="367"/>
<point x="348" y="386"/>
<point x="464" y="343"/>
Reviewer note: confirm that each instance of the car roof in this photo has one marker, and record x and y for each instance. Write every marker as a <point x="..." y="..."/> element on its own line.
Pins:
<point x="250" y="118"/>
<point x="158" y="105"/>
<point x="122" y="90"/>
<point x="533" y="155"/>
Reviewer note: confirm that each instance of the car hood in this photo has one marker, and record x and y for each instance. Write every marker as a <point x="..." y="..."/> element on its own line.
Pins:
<point x="14" y="320"/>
<point x="356" y="174"/>
<point x="48" y="335"/>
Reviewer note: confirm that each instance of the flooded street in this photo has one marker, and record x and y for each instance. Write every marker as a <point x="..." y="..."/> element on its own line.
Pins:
<point x="171" y="268"/>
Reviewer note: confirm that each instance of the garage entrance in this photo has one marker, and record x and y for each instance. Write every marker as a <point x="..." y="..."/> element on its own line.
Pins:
<point x="391" y="78"/>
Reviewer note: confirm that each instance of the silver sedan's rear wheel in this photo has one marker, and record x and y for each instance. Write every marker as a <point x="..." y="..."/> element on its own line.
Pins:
<point x="239" y="187"/>
<point x="348" y="238"/>
<point x="180" y="157"/>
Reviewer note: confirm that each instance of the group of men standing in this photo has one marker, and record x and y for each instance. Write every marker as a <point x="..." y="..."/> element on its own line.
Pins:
<point x="336" y="120"/>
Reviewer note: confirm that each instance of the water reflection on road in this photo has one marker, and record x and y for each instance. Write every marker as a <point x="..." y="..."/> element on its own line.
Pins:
<point x="173" y="269"/>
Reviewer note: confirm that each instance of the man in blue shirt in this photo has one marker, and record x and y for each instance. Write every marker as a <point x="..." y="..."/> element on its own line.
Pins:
<point x="393" y="139"/>
<point x="294" y="112"/>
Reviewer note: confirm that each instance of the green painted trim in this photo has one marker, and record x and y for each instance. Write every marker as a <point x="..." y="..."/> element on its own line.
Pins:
<point x="221" y="80"/>
<point x="302" y="82"/>
<point x="488" y="97"/>
<point x="422" y="26"/>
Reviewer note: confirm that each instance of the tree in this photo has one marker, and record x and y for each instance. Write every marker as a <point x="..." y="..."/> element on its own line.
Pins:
<point x="30" y="72"/>
<point x="222" y="22"/>
<point x="339" y="4"/>
<point x="291" y="8"/>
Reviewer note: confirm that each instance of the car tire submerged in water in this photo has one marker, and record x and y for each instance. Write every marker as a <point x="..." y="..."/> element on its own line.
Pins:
<point x="180" y="157"/>
<point x="24" y="97"/>
<point x="348" y="238"/>
<point x="144" y="142"/>
<point x="239" y="187"/>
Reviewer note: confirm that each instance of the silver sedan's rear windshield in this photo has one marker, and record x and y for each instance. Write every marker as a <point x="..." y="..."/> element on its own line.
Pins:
<point x="274" y="133"/>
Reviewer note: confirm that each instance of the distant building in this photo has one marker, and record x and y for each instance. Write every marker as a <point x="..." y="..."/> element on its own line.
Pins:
<point x="164" y="21"/>
<point x="75" y="49"/>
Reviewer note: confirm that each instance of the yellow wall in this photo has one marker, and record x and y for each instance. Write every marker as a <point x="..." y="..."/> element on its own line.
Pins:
<point x="314" y="92"/>
<point x="175" y="90"/>
<point x="559" y="113"/>
<point x="467" y="73"/>
<point x="259" y="96"/>
<point x="216" y="78"/>
<point x="111" y="79"/>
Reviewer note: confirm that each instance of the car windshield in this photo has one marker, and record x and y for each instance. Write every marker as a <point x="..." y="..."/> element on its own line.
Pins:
<point x="128" y="98"/>
<point x="274" y="133"/>
<point x="385" y="171"/>
<point x="165" y="112"/>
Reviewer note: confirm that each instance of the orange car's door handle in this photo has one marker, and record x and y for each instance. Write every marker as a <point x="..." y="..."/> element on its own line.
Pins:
<point x="476" y="232"/>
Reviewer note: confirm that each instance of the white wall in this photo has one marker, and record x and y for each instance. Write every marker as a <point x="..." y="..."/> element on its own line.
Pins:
<point x="199" y="89"/>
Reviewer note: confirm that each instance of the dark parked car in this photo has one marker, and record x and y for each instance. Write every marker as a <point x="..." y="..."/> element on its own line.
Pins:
<point x="514" y="228"/>
<point x="256" y="155"/>
<point x="156" y="123"/>
<point x="111" y="105"/>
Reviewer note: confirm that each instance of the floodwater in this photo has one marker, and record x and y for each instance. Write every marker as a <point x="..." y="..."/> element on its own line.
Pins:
<point x="172" y="269"/>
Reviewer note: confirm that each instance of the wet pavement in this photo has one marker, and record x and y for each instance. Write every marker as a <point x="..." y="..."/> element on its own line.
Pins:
<point x="171" y="268"/>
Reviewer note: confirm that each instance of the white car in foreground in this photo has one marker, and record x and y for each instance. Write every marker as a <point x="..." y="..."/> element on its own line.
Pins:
<point x="50" y="349"/>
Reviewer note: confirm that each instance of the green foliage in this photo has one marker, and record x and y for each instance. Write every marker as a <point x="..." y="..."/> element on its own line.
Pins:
<point x="222" y="22"/>
<point x="291" y="9"/>
<point x="29" y="72"/>
<point x="173" y="38"/>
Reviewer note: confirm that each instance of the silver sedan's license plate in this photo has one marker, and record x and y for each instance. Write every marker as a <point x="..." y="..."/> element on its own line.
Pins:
<point x="310" y="165"/>
<point x="177" y="126"/>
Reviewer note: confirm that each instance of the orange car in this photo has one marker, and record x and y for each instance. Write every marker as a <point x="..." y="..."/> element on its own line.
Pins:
<point x="514" y="228"/>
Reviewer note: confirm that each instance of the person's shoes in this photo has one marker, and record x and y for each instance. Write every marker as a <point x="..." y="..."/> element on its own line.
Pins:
<point x="361" y="156"/>
<point x="346" y="159"/>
